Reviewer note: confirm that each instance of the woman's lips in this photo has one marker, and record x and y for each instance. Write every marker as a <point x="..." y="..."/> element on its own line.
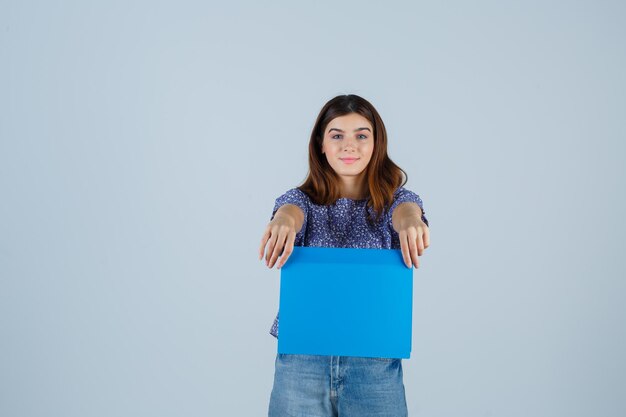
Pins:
<point x="349" y="160"/>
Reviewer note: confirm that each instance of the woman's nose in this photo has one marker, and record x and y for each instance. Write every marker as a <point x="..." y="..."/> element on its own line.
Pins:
<point x="350" y="143"/>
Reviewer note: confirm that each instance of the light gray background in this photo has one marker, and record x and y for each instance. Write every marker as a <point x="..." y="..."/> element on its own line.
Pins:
<point x="142" y="146"/>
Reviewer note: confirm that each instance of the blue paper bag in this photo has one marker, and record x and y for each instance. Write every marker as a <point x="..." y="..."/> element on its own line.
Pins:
<point x="346" y="302"/>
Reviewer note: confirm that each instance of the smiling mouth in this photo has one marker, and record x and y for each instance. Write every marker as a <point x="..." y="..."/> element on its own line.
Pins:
<point x="349" y="160"/>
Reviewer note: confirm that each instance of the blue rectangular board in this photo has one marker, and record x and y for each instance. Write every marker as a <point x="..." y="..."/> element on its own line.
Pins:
<point x="346" y="302"/>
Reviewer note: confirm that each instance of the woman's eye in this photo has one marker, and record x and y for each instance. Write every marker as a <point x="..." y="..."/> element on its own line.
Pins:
<point x="339" y="136"/>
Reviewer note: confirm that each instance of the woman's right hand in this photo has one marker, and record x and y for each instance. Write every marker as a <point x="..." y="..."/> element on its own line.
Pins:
<point x="279" y="237"/>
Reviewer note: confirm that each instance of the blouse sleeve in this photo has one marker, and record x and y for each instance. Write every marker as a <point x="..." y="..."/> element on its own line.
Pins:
<point x="298" y="198"/>
<point x="402" y="195"/>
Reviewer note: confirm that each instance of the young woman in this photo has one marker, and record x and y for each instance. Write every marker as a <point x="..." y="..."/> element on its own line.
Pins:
<point x="353" y="197"/>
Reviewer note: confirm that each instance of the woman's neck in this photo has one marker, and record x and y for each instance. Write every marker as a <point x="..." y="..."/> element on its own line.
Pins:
<point x="354" y="188"/>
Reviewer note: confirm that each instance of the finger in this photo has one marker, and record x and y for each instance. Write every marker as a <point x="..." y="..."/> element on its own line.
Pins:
<point x="420" y="244"/>
<point x="280" y="244"/>
<point x="270" y="248"/>
<point x="264" y="240"/>
<point x="426" y="237"/>
<point x="415" y="237"/>
<point x="288" y="249"/>
<point x="404" y="246"/>
<point x="413" y="248"/>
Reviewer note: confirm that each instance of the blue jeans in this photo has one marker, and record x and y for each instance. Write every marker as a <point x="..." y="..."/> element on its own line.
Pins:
<point x="339" y="386"/>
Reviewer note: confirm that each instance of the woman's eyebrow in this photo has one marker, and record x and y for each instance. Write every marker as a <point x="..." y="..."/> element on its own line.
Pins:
<point x="356" y="130"/>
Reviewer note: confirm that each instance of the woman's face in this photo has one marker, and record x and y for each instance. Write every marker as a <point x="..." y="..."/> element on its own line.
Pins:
<point x="348" y="144"/>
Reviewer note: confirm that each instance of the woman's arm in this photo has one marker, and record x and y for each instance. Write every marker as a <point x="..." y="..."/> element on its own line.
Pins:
<point x="281" y="233"/>
<point x="413" y="232"/>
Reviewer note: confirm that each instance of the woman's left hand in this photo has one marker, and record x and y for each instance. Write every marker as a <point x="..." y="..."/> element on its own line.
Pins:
<point x="412" y="231"/>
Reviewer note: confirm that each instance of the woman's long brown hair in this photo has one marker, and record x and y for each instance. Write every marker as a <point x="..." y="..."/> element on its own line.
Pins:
<point x="383" y="176"/>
